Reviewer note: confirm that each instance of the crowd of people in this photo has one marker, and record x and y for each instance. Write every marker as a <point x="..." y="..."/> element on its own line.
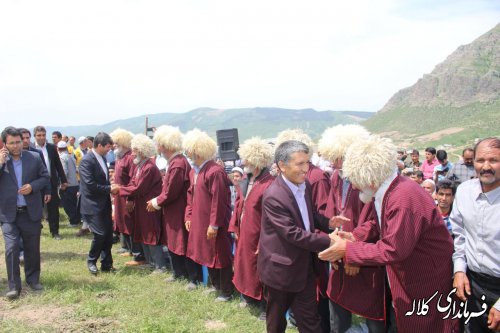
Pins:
<point x="358" y="228"/>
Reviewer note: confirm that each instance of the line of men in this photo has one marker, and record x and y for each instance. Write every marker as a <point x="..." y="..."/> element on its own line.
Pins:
<point x="394" y="249"/>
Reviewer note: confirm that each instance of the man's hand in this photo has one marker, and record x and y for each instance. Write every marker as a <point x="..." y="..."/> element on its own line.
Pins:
<point x="150" y="208"/>
<point x="47" y="198"/>
<point x="347" y="236"/>
<point x="64" y="186"/>
<point x="211" y="233"/>
<point x="336" y="251"/>
<point x="4" y="153"/>
<point x="337" y="221"/>
<point x="494" y="319"/>
<point x="188" y="225"/>
<point x="130" y="206"/>
<point x="25" y="189"/>
<point x="115" y="188"/>
<point x="351" y="270"/>
<point x="461" y="282"/>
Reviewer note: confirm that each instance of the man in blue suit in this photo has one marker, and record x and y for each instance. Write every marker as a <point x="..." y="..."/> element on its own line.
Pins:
<point x="22" y="178"/>
<point x="95" y="202"/>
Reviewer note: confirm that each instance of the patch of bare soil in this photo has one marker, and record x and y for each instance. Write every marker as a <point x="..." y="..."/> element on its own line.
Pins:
<point x="439" y="134"/>
<point x="215" y="325"/>
<point x="58" y="318"/>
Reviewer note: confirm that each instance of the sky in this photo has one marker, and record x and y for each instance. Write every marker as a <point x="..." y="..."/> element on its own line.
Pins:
<point x="91" y="62"/>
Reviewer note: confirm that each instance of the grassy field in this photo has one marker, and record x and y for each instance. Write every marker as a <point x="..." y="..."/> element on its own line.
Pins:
<point x="130" y="300"/>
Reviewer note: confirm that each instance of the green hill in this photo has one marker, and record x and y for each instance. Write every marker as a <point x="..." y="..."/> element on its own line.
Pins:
<point x="454" y="104"/>
<point x="264" y="122"/>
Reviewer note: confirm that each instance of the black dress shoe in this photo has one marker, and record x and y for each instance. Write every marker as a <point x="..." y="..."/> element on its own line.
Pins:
<point x="92" y="268"/>
<point x="108" y="269"/>
<point x="12" y="294"/>
<point x="35" y="286"/>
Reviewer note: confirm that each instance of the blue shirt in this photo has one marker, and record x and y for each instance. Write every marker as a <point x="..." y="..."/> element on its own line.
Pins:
<point x="18" y="170"/>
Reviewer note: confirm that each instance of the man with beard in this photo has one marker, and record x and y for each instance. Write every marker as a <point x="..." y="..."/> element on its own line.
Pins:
<point x="208" y="212"/>
<point x="475" y="223"/>
<point x="172" y="202"/>
<point x="124" y="171"/>
<point x="348" y="289"/>
<point x="22" y="177"/>
<point x="145" y="185"/>
<point x="463" y="170"/>
<point x="95" y="202"/>
<point x="412" y="240"/>
<point x="257" y="155"/>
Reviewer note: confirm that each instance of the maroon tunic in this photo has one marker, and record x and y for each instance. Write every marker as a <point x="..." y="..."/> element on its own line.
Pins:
<point x="209" y="204"/>
<point x="124" y="171"/>
<point x="416" y="248"/>
<point x="363" y="293"/>
<point x="247" y="216"/>
<point x="320" y="188"/>
<point x="173" y="200"/>
<point x="144" y="186"/>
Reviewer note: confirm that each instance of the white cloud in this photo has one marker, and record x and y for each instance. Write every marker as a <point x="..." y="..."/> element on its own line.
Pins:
<point x="68" y="62"/>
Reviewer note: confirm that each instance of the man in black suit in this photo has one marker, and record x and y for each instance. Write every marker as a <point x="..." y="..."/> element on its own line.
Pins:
<point x="287" y="262"/>
<point x="57" y="176"/>
<point x="95" y="202"/>
<point x="22" y="177"/>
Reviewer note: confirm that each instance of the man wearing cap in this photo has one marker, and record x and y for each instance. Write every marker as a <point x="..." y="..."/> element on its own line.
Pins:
<point x="208" y="212"/>
<point x="80" y="151"/>
<point x="172" y="202"/>
<point x="257" y="155"/>
<point x="69" y="195"/>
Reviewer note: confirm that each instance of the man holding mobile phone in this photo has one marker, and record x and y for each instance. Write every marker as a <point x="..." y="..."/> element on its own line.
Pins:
<point x="22" y="177"/>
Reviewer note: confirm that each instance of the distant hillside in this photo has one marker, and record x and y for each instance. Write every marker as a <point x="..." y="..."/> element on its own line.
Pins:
<point x="457" y="102"/>
<point x="264" y="122"/>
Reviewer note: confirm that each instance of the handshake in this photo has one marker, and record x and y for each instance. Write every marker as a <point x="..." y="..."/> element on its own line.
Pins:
<point x="115" y="188"/>
<point x="338" y="244"/>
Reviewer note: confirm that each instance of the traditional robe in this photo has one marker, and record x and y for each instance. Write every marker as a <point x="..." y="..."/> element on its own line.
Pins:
<point x="246" y="223"/>
<point x="363" y="293"/>
<point x="124" y="171"/>
<point x="173" y="200"/>
<point x="416" y="248"/>
<point x="144" y="186"/>
<point x="320" y="189"/>
<point x="209" y="204"/>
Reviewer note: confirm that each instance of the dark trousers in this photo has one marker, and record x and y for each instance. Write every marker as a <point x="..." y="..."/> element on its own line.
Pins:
<point x="481" y="284"/>
<point x="102" y="229"/>
<point x="154" y="256"/>
<point x="302" y="303"/>
<point x="134" y="248"/>
<point x="222" y="280"/>
<point x="53" y="212"/>
<point x="69" y="202"/>
<point x="341" y="320"/>
<point x="185" y="268"/>
<point x="30" y="231"/>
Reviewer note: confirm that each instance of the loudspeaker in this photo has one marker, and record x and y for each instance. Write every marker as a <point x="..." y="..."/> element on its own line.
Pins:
<point x="227" y="140"/>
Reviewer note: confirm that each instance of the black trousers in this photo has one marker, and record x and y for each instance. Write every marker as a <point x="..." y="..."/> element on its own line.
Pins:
<point x="102" y="229"/>
<point x="53" y="212"/>
<point x="69" y="202"/>
<point x="222" y="280"/>
<point x="302" y="303"/>
<point x="30" y="231"/>
<point x="481" y="284"/>
<point x="185" y="268"/>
